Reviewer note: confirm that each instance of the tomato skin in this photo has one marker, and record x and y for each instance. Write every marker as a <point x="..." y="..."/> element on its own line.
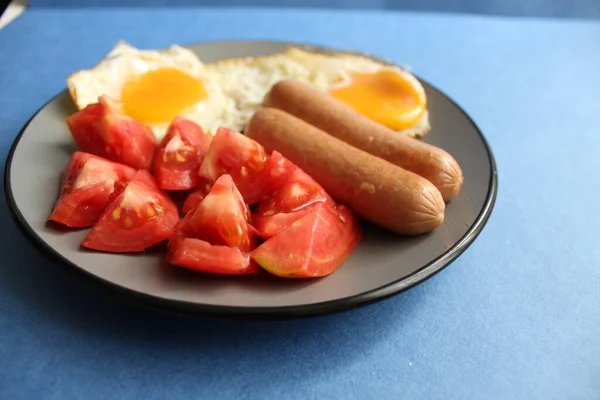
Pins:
<point x="88" y="185"/>
<point x="177" y="161"/>
<point x="194" y="198"/>
<point x="140" y="217"/>
<point x="104" y="130"/>
<point x="201" y="256"/>
<point x="288" y="204"/>
<point x="313" y="246"/>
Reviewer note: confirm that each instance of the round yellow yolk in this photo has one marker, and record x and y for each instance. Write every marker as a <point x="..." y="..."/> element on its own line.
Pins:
<point x="385" y="96"/>
<point x="160" y="95"/>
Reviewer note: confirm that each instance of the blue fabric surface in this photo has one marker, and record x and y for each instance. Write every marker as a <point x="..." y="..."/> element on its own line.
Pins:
<point x="517" y="316"/>
<point x="532" y="8"/>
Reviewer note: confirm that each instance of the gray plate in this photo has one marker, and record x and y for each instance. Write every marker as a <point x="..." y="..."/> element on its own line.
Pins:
<point x="383" y="264"/>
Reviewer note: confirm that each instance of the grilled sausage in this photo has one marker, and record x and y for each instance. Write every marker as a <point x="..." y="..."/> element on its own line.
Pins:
<point x="375" y="189"/>
<point x="343" y="122"/>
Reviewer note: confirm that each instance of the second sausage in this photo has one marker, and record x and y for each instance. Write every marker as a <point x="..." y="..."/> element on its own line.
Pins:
<point x="343" y="122"/>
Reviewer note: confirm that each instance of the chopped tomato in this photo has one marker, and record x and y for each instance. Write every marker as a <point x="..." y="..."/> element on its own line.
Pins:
<point x="88" y="186"/>
<point x="254" y="173"/>
<point x="255" y="184"/>
<point x="181" y="152"/>
<point x="221" y="218"/>
<point x="286" y="205"/>
<point x="140" y="217"/>
<point x="194" y="198"/>
<point x="104" y="130"/>
<point x="201" y="256"/>
<point x="218" y="222"/>
<point x="230" y="149"/>
<point x="313" y="246"/>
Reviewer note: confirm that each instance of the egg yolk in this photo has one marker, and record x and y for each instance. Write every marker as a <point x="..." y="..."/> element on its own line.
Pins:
<point x="160" y="95"/>
<point x="385" y="96"/>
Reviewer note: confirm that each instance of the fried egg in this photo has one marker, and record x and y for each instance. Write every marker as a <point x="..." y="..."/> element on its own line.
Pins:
<point x="387" y="94"/>
<point x="154" y="86"/>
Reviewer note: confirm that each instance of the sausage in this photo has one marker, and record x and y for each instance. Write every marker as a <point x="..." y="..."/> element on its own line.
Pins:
<point x="343" y="122"/>
<point x="375" y="189"/>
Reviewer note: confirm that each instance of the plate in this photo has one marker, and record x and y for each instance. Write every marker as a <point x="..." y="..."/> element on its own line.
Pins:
<point x="383" y="264"/>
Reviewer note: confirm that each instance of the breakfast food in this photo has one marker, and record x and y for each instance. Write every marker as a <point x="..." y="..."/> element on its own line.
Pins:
<point x="339" y="120"/>
<point x="387" y="94"/>
<point x="288" y="204"/>
<point x="254" y="174"/>
<point x="218" y="223"/>
<point x="320" y="240"/>
<point x="140" y="217"/>
<point x="328" y="138"/>
<point x="155" y="86"/>
<point x="178" y="160"/>
<point x="129" y="211"/>
<point x="377" y="190"/>
<point x="104" y="130"/>
<point x="89" y="184"/>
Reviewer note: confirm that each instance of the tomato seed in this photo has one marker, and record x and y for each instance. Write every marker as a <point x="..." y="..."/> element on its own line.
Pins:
<point x="128" y="222"/>
<point x="116" y="214"/>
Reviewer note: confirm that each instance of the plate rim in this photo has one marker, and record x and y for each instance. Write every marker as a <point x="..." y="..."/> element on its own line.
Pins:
<point x="327" y="307"/>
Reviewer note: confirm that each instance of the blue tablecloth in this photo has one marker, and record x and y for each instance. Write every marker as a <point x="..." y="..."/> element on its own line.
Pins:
<point x="515" y="317"/>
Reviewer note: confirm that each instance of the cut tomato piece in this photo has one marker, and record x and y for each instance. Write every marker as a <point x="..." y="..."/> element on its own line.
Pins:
<point x="255" y="184"/>
<point x="140" y="217"/>
<point x="313" y="246"/>
<point x="104" y="130"/>
<point x="88" y="185"/>
<point x="286" y="205"/>
<point x="180" y="155"/>
<point x="194" y="198"/>
<point x="230" y="149"/>
<point x="201" y="256"/>
<point x="221" y="218"/>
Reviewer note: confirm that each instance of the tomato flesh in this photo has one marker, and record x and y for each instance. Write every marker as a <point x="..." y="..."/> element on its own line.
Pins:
<point x="288" y="204"/>
<point x="178" y="160"/>
<point x="88" y="185"/>
<point x="104" y="130"/>
<point x="140" y="217"/>
<point x="202" y="256"/>
<point x="313" y="246"/>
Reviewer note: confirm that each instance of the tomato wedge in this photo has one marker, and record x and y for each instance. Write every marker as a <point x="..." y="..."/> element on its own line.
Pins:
<point x="194" y="198"/>
<point x="219" y="222"/>
<point x="254" y="173"/>
<point x="313" y="246"/>
<point x="221" y="218"/>
<point x="230" y="149"/>
<point x="104" y="130"/>
<point x="201" y="256"/>
<point x="178" y="160"/>
<point x="88" y="185"/>
<point x="289" y="203"/>
<point x="255" y="184"/>
<point x="140" y="217"/>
